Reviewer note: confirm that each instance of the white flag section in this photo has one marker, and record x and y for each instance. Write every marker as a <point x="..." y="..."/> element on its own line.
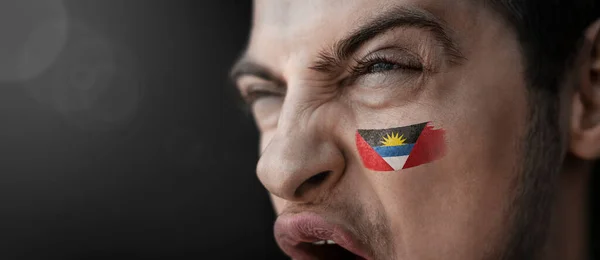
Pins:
<point x="396" y="162"/>
<point x="395" y="155"/>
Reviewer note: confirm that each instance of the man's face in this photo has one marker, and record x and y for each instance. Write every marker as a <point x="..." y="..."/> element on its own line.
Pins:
<point x="316" y="71"/>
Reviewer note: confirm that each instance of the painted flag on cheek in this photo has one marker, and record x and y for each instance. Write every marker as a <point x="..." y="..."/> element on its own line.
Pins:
<point x="400" y="148"/>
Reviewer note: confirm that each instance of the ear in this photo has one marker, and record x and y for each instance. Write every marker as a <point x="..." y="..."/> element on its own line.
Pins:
<point x="585" y="113"/>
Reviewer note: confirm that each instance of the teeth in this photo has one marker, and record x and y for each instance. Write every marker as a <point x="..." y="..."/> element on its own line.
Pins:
<point x="323" y="242"/>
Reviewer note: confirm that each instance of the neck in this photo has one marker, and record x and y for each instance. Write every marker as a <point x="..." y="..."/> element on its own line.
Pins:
<point x="568" y="237"/>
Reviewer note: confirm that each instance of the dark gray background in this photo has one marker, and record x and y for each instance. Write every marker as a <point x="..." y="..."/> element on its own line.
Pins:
<point x="175" y="180"/>
<point x="169" y="177"/>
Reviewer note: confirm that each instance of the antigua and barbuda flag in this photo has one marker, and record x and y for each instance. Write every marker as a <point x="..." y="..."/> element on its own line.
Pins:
<point x="400" y="148"/>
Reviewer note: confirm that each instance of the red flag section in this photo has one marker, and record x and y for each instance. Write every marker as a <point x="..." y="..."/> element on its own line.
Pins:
<point x="429" y="147"/>
<point x="371" y="159"/>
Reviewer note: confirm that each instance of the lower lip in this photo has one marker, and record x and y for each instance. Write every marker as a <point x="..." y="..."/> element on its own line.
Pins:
<point x="308" y="228"/>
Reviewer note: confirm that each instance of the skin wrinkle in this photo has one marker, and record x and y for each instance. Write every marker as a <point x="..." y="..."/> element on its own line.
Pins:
<point x="309" y="110"/>
<point x="332" y="58"/>
<point x="490" y="197"/>
<point x="376" y="227"/>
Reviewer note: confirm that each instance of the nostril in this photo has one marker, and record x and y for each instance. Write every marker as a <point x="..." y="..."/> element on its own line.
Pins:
<point x="317" y="179"/>
<point x="312" y="182"/>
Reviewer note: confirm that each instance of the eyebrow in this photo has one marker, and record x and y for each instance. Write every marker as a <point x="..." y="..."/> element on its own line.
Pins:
<point x="330" y="59"/>
<point x="246" y="66"/>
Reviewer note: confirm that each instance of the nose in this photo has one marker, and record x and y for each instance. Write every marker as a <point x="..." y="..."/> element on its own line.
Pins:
<point x="301" y="163"/>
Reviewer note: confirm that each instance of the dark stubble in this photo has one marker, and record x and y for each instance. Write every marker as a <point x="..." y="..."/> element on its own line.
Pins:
<point x="543" y="152"/>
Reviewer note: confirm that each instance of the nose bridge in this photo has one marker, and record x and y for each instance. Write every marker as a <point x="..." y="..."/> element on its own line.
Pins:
<point x="301" y="159"/>
<point x="299" y="119"/>
<point x="297" y="111"/>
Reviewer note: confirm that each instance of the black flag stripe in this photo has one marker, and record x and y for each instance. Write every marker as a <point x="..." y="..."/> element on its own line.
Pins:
<point x="374" y="136"/>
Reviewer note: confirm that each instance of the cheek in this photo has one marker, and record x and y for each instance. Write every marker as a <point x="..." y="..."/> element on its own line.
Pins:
<point x="460" y="201"/>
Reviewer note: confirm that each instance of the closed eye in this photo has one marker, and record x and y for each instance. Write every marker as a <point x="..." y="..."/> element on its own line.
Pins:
<point x="256" y="92"/>
<point x="382" y="64"/>
<point x="252" y="96"/>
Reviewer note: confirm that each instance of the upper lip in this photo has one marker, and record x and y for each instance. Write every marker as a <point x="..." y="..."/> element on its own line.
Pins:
<point x="294" y="232"/>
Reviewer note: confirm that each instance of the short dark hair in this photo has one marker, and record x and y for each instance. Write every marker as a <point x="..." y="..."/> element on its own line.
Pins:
<point x="550" y="32"/>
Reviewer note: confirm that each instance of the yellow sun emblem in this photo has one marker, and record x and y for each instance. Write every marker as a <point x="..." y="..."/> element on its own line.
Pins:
<point x="393" y="140"/>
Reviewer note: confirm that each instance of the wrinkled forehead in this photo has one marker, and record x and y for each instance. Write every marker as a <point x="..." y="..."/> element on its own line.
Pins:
<point x="294" y="27"/>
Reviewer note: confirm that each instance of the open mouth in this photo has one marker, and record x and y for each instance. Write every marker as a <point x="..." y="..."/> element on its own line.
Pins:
<point x="326" y="249"/>
<point x="309" y="236"/>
